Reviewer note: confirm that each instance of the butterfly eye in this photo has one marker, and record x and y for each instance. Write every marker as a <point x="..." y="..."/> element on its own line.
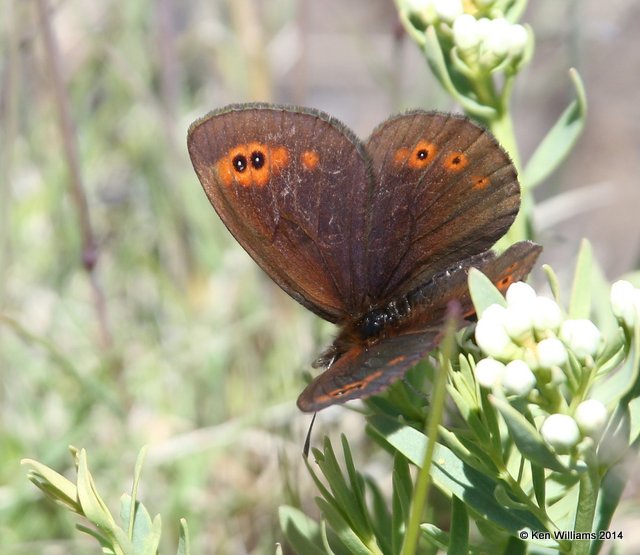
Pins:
<point x="240" y="163"/>
<point x="257" y="159"/>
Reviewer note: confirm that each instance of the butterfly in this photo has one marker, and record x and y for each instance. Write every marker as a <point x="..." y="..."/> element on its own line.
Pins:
<point x="377" y="236"/>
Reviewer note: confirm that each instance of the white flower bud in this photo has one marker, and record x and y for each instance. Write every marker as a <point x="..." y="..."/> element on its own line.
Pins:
<point x="488" y="372"/>
<point x="465" y="32"/>
<point x="561" y="432"/>
<point x="551" y="352"/>
<point x="581" y="336"/>
<point x="520" y="292"/>
<point x="497" y="40"/>
<point x="448" y="10"/>
<point x="518" y="379"/>
<point x="517" y="38"/>
<point x="518" y="322"/>
<point x="425" y="9"/>
<point x="491" y="336"/>
<point x="625" y="302"/>
<point x="546" y="314"/>
<point x="591" y="416"/>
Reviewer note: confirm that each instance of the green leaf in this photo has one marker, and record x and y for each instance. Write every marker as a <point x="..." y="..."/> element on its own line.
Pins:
<point x="184" y="545"/>
<point x="554" y="283"/>
<point x="343" y="530"/>
<point x="560" y="139"/>
<point x="459" y="531"/>
<point x="580" y="304"/>
<point x="453" y="475"/>
<point x="54" y="485"/>
<point x="609" y="495"/>
<point x="526" y="437"/>
<point x="483" y="292"/>
<point x="302" y="532"/>
<point x="401" y="499"/>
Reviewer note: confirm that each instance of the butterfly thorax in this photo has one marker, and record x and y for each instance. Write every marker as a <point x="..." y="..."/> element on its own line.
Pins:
<point x="374" y="323"/>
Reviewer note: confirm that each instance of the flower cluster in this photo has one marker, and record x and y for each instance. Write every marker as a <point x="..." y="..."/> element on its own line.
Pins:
<point x="533" y="352"/>
<point x="486" y="44"/>
<point x="481" y="43"/>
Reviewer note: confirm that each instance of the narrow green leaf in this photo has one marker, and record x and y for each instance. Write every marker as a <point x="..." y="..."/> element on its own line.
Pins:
<point x="539" y="484"/>
<point x="553" y="281"/>
<point x="302" y="533"/>
<point x="454" y="476"/>
<point x="580" y="303"/>
<point x="483" y="292"/>
<point x="92" y="504"/>
<point x="357" y="485"/>
<point x="134" y="492"/>
<point x="60" y="489"/>
<point x="435" y="536"/>
<point x="609" y="495"/>
<point x="459" y="531"/>
<point x="526" y="437"/>
<point x="560" y="139"/>
<point x="343" y="530"/>
<point x="184" y="544"/>
<point x="401" y="499"/>
<point x="515" y="546"/>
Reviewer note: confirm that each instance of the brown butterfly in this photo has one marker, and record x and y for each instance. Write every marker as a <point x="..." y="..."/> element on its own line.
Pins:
<point x="377" y="237"/>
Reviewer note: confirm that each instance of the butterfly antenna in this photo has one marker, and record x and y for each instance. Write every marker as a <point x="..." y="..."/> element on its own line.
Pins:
<point x="307" y="441"/>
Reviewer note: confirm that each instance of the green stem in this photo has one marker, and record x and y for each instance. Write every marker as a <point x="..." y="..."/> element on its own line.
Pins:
<point x="421" y="489"/>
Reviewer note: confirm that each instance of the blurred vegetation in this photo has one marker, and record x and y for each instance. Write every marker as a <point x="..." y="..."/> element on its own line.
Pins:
<point x="174" y="338"/>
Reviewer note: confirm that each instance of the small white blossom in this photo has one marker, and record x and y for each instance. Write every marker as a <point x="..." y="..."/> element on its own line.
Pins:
<point x="466" y="35"/>
<point x="520" y="292"/>
<point x="448" y="10"/>
<point x="561" y="432"/>
<point x="581" y="336"/>
<point x="625" y="302"/>
<point x="491" y="335"/>
<point x="517" y="322"/>
<point x="497" y="41"/>
<point x="591" y="416"/>
<point x="546" y="314"/>
<point x="488" y="372"/>
<point x="517" y="39"/>
<point x="551" y="352"/>
<point x="518" y="379"/>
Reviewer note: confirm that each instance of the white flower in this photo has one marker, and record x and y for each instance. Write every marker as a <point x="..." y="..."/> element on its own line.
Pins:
<point x="491" y="335"/>
<point x="497" y="40"/>
<point x="466" y="34"/>
<point x="581" y="336"/>
<point x="517" y="39"/>
<point x="448" y="10"/>
<point x="518" y="379"/>
<point x="561" y="432"/>
<point x="546" y="314"/>
<point x="520" y="292"/>
<point x="551" y="352"/>
<point x="625" y="302"/>
<point x="591" y="416"/>
<point x="517" y="322"/>
<point x="488" y="372"/>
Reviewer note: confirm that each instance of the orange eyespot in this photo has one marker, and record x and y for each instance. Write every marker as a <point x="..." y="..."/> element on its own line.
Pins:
<point x="456" y="161"/>
<point x="480" y="182"/>
<point x="309" y="160"/>
<point x="251" y="165"/>
<point x="422" y="154"/>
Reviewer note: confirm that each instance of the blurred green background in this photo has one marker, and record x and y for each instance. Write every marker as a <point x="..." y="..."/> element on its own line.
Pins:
<point x="181" y="343"/>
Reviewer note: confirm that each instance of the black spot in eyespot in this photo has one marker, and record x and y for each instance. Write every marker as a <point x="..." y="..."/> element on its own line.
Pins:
<point x="239" y="163"/>
<point x="422" y="154"/>
<point x="456" y="160"/>
<point x="257" y="159"/>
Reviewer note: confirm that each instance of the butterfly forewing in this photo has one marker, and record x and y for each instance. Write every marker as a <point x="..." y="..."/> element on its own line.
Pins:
<point x="445" y="190"/>
<point x="292" y="187"/>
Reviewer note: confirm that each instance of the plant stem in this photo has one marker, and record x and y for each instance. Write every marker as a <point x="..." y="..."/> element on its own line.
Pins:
<point x="76" y="184"/>
<point x="421" y="489"/>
